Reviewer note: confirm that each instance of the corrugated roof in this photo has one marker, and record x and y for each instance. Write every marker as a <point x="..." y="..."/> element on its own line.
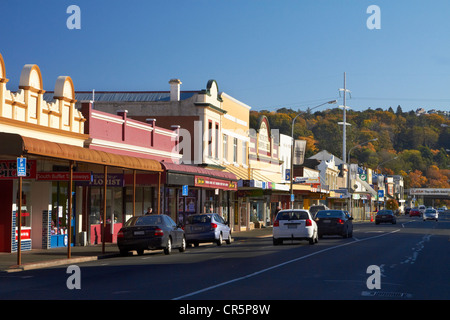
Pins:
<point x="126" y="96"/>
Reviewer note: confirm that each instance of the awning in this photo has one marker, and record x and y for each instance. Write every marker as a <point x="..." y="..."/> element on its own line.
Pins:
<point x="184" y="168"/>
<point x="369" y="189"/>
<point x="200" y="177"/>
<point x="17" y="145"/>
<point x="241" y="173"/>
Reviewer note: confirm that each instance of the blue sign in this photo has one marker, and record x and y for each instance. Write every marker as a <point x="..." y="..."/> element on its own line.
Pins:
<point x="21" y="167"/>
<point x="185" y="190"/>
<point x="380" y="193"/>
<point x="288" y="174"/>
<point x="292" y="197"/>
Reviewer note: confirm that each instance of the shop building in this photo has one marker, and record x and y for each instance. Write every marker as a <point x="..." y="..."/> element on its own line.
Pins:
<point x="268" y="192"/>
<point x="197" y="118"/>
<point x="50" y="135"/>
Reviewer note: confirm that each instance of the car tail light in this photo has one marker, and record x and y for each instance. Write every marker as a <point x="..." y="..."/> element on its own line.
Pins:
<point x="340" y="221"/>
<point x="120" y="234"/>
<point x="308" y="223"/>
<point x="213" y="226"/>
<point x="276" y="223"/>
<point x="159" y="232"/>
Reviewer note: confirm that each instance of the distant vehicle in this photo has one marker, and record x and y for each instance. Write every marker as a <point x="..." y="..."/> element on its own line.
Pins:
<point x="334" y="222"/>
<point x="442" y="209"/>
<point x="385" y="216"/>
<point x="430" y="214"/>
<point x="315" y="208"/>
<point x="407" y="210"/>
<point x="294" y="224"/>
<point x="422" y="208"/>
<point x="150" y="232"/>
<point x="414" y="212"/>
<point x="209" y="227"/>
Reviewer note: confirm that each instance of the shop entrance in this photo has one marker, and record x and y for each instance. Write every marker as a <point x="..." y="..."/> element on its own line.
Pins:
<point x="60" y="213"/>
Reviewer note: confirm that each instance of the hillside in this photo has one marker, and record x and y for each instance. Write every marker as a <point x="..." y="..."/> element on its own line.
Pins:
<point x="418" y="142"/>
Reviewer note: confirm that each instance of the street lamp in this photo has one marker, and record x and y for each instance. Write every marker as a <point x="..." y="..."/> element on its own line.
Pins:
<point x="378" y="166"/>
<point x="292" y="147"/>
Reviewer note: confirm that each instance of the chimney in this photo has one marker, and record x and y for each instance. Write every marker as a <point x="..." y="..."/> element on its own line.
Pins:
<point x="175" y="89"/>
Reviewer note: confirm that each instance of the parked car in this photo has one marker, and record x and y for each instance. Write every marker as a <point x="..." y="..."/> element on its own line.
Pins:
<point x="334" y="222"/>
<point x="150" y="232"/>
<point x="315" y="208"/>
<point x="209" y="227"/>
<point x="407" y="210"/>
<point x="415" y="212"/>
<point x="385" y="216"/>
<point x="431" y="214"/>
<point x="294" y="224"/>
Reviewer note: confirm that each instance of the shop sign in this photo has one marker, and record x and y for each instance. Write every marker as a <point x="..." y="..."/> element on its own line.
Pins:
<point x="25" y="233"/>
<point x="8" y="169"/>
<point x="113" y="180"/>
<point x="64" y="176"/>
<point x="306" y="180"/>
<point x="214" y="183"/>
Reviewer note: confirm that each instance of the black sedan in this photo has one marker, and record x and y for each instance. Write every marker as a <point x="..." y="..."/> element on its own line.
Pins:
<point x="150" y="232"/>
<point x="386" y="216"/>
<point x="334" y="222"/>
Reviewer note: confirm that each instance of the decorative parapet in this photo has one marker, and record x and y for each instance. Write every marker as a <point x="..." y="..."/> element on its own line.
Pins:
<point x="27" y="106"/>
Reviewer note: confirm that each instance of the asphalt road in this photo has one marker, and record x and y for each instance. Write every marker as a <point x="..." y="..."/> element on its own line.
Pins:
<point x="411" y="261"/>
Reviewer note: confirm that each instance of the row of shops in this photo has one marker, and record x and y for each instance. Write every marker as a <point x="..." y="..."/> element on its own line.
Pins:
<point x="88" y="170"/>
<point x="127" y="190"/>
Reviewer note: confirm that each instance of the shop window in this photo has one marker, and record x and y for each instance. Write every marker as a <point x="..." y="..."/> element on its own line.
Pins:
<point x="26" y="206"/>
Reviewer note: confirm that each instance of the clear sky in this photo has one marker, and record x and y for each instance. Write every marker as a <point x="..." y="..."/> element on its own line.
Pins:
<point x="265" y="53"/>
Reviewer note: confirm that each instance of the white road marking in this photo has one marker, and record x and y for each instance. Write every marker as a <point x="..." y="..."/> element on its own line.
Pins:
<point x="278" y="265"/>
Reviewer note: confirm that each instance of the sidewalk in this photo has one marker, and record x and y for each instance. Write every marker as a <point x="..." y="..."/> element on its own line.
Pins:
<point x="44" y="258"/>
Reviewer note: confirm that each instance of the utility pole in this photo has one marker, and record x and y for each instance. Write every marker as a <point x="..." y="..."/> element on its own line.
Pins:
<point x="344" y="123"/>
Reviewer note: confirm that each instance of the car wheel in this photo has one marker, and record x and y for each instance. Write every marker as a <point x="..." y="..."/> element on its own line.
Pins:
<point x="183" y="245"/>
<point x="277" y="242"/>
<point x="168" y="248"/>
<point x="219" y="241"/>
<point x="140" y="252"/>
<point x="345" y="234"/>
<point x="123" y="252"/>
<point x="312" y="240"/>
<point x="228" y="241"/>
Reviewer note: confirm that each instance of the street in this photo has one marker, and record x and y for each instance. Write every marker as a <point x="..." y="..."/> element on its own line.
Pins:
<point x="412" y="258"/>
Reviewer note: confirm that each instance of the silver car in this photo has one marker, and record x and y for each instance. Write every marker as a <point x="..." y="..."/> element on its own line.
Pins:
<point x="430" y="214"/>
<point x="208" y="227"/>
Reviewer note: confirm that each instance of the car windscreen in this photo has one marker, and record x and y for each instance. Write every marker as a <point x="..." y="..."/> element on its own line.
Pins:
<point x="199" y="219"/>
<point x="145" y="221"/>
<point x="292" y="215"/>
<point x="385" y="212"/>
<point x="329" y="214"/>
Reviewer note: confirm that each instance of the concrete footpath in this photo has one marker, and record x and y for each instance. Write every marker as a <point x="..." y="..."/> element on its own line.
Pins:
<point x="43" y="258"/>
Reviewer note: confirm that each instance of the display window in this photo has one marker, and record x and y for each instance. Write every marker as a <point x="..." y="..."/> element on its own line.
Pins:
<point x="187" y="205"/>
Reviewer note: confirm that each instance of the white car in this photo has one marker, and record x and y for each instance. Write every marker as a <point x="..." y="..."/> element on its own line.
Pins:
<point x="422" y="208"/>
<point x="294" y="224"/>
<point x="430" y="214"/>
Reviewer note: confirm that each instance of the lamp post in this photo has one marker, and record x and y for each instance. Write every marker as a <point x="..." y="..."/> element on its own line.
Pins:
<point x="348" y="174"/>
<point x="292" y="149"/>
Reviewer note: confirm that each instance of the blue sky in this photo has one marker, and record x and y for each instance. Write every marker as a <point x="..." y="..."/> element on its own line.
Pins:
<point x="265" y="53"/>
